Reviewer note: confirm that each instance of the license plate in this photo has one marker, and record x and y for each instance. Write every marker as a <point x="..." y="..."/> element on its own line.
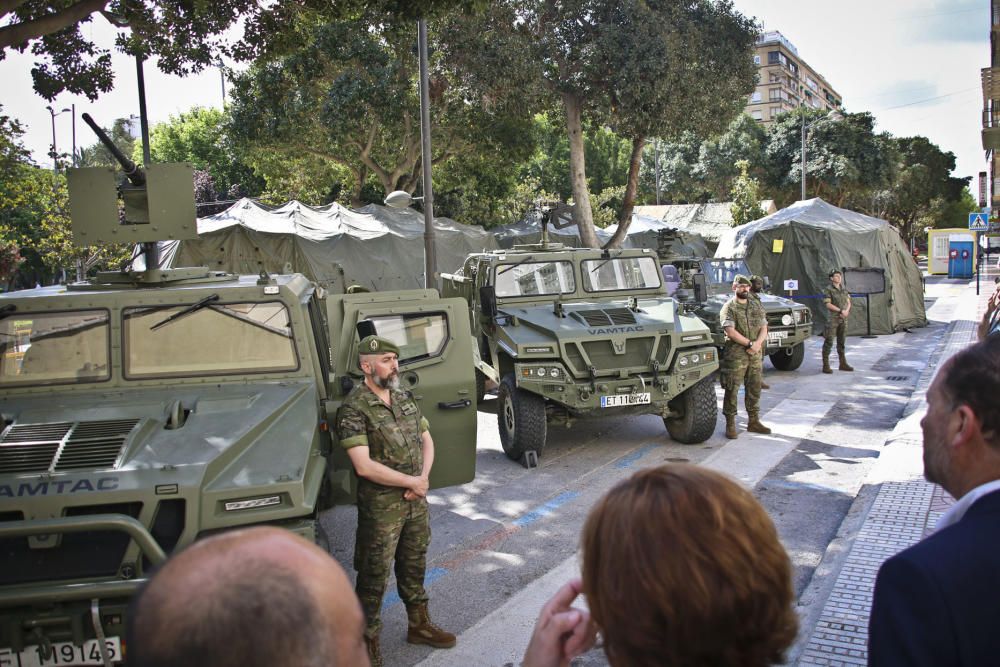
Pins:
<point x="622" y="400"/>
<point x="63" y="653"/>
<point x="776" y="336"/>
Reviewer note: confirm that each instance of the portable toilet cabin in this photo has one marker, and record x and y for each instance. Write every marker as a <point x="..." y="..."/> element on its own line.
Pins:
<point x="961" y="255"/>
<point x="938" y="249"/>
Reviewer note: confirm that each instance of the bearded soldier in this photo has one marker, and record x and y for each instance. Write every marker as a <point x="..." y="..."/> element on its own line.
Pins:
<point x="745" y="324"/>
<point x="388" y="441"/>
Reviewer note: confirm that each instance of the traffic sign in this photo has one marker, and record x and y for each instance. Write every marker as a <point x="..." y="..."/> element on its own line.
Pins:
<point x="978" y="222"/>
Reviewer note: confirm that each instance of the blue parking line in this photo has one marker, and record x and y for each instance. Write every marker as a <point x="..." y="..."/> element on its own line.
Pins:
<point x="629" y="460"/>
<point x="545" y="510"/>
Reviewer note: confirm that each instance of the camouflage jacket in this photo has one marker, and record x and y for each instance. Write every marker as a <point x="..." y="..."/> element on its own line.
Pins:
<point x="746" y="318"/>
<point x="839" y="297"/>
<point x="391" y="433"/>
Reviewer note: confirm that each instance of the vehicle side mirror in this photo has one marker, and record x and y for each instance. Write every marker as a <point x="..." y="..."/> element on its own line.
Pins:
<point x="365" y="328"/>
<point x="700" y="287"/>
<point x="488" y="301"/>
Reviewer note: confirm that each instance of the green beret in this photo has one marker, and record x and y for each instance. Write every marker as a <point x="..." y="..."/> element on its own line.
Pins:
<point x="377" y="345"/>
<point x="833" y="271"/>
<point x="740" y="279"/>
<point x="756" y="279"/>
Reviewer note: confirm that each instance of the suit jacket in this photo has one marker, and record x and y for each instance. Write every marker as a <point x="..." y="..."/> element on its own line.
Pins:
<point x="938" y="602"/>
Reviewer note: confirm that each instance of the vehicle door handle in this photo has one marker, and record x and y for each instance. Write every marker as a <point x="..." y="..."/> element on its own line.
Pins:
<point x="454" y="405"/>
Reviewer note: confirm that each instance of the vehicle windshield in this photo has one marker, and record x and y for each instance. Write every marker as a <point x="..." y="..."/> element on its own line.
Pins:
<point x="216" y="339"/>
<point x="54" y="348"/>
<point x="620" y="273"/>
<point x="534" y="278"/>
<point x="722" y="271"/>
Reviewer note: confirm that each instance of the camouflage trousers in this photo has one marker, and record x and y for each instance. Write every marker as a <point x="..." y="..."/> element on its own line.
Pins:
<point x="837" y="328"/>
<point x="390" y="529"/>
<point x="739" y="368"/>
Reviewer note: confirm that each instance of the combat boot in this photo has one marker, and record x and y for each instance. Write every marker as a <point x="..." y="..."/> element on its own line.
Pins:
<point x="754" y="426"/>
<point x="731" y="431"/>
<point x="422" y="631"/>
<point x="844" y="366"/>
<point x="764" y="385"/>
<point x="826" y="364"/>
<point x="374" y="652"/>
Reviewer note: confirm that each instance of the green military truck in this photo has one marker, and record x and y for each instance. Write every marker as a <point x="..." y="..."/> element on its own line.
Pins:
<point x="142" y="410"/>
<point x="704" y="286"/>
<point x="569" y="333"/>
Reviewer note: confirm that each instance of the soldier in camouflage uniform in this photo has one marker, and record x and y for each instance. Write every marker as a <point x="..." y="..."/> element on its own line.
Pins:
<point x="388" y="441"/>
<point x="745" y="324"/>
<point x="837" y="300"/>
<point x="756" y="287"/>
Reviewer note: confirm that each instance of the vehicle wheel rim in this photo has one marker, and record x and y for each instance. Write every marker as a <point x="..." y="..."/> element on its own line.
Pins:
<point x="508" y="416"/>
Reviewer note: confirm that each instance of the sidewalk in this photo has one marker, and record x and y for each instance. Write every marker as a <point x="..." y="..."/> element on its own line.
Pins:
<point x="904" y="510"/>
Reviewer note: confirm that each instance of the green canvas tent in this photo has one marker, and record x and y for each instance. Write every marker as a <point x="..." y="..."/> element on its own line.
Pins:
<point x="815" y="237"/>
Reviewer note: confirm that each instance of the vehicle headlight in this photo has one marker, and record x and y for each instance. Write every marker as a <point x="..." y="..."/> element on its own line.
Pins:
<point x="554" y="373"/>
<point x="695" y="358"/>
<point x="683" y="361"/>
<point x="786" y="319"/>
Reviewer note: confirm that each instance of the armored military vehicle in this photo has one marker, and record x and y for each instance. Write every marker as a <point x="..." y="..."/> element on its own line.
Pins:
<point x="569" y="333"/>
<point x="704" y="286"/>
<point x="142" y="410"/>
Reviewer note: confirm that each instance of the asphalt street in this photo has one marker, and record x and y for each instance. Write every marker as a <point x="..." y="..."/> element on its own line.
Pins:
<point x="505" y="542"/>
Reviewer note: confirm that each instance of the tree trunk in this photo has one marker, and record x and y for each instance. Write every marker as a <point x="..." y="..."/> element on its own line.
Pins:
<point x="582" y="214"/>
<point x="631" y="188"/>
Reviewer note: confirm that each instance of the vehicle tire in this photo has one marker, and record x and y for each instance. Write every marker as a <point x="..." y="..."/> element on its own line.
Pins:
<point x="698" y="413"/>
<point x="520" y="419"/>
<point x="788" y="360"/>
<point x="480" y="386"/>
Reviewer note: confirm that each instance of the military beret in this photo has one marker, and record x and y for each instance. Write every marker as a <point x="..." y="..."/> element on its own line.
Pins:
<point x="833" y="271"/>
<point x="756" y="279"/>
<point x="740" y="279"/>
<point x="377" y="345"/>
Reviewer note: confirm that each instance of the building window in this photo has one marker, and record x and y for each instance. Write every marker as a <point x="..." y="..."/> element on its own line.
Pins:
<point x="757" y="115"/>
<point x="756" y="60"/>
<point x="776" y="94"/>
<point x="755" y="97"/>
<point x="775" y="111"/>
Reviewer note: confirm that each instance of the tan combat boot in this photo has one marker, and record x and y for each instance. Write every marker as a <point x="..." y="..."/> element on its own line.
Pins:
<point x="826" y="364"/>
<point x="422" y="631"/>
<point x="844" y="366"/>
<point x="374" y="652"/>
<point x="764" y="385"/>
<point x="754" y="426"/>
<point x="731" y="431"/>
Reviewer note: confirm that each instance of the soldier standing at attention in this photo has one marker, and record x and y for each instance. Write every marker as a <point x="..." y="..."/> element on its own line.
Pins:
<point x="745" y="325"/>
<point x="756" y="287"/>
<point x="838" y="301"/>
<point x="388" y="441"/>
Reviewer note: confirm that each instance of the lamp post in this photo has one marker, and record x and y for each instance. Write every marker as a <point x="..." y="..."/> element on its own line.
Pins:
<point x="55" y="155"/>
<point x="832" y="115"/>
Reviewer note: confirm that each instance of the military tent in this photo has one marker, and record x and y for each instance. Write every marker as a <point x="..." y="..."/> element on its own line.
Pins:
<point x="644" y="232"/>
<point x="815" y="237"/>
<point x="529" y="232"/>
<point x="376" y="247"/>
<point x="711" y="221"/>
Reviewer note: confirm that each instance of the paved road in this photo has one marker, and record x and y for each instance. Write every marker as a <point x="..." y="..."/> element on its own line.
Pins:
<point x="503" y="543"/>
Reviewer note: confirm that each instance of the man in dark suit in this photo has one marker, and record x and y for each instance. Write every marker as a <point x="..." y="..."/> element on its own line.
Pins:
<point x="938" y="602"/>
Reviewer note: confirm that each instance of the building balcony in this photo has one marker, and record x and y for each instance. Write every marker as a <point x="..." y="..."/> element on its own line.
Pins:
<point x="991" y="139"/>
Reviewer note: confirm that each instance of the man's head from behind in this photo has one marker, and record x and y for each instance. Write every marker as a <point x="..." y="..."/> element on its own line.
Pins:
<point x="962" y="424"/>
<point x="260" y="596"/>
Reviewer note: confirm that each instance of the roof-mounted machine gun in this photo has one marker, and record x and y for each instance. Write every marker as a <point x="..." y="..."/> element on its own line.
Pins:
<point x="148" y="205"/>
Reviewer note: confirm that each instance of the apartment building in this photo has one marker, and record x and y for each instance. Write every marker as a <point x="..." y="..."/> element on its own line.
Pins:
<point x="991" y="111"/>
<point x="785" y="81"/>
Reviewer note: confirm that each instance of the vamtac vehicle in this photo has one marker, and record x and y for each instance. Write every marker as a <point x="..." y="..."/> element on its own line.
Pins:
<point x="569" y="333"/>
<point x="142" y="410"/>
<point x="704" y="285"/>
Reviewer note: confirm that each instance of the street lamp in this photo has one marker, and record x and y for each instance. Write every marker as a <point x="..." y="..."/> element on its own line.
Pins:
<point x="55" y="155"/>
<point x="832" y="115"/>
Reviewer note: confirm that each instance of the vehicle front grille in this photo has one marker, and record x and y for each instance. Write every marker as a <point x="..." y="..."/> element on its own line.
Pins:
<point x="607" y="317"/>
<point x="28" y="448"/>
<point x="77" y="555"/>
<point x="774" y="320"/>
<point x="601" y="355"/>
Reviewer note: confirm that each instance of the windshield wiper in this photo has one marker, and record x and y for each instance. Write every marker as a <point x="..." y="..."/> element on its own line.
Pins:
<point x="187" y="311"/>
<point x="508" y="267"/>
<point x="606" y="261"/>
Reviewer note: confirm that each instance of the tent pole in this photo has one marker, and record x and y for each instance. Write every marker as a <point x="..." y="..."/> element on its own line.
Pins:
<point x="430" y="260"/>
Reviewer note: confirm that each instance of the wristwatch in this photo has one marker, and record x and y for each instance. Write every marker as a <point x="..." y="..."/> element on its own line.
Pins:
<point x="749" y="344"/>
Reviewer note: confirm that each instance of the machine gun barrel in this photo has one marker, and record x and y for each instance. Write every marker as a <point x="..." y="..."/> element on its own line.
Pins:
<point x="135" y="175"/>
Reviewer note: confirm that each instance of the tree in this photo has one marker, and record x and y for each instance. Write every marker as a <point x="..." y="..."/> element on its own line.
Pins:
<point x="183" y="36"/>
<point x="679" y="181"/>
<point x="745" y="196"/>
<point x="719" y="157"/>
<point x="348" y="97"/>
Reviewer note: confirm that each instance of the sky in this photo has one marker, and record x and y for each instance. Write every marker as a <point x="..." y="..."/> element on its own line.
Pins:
<point x="914" y="64"/>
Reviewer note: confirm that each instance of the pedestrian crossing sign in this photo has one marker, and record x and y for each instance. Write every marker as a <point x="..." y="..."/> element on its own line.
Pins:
<point x="979" y="222"/>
